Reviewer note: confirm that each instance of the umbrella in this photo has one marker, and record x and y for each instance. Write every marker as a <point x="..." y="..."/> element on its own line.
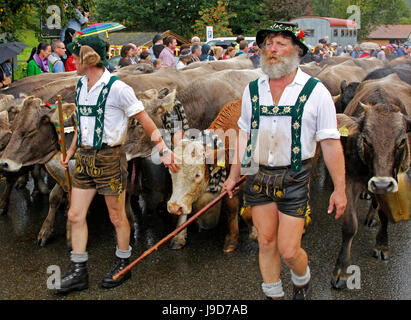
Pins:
<point x="103" y="27"/>
<point x="369" y="46"/>
<point x="10" y="49"/>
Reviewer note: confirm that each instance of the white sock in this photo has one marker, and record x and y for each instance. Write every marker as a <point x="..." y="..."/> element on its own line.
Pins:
<point x="274" y="290"/>
<point x="303" y="280"/>
<point x="78" y="257"/>
<point x="123" y="254"/>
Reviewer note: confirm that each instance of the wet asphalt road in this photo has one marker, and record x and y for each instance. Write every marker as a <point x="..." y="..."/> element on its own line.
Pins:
<point x="199" y="271"/>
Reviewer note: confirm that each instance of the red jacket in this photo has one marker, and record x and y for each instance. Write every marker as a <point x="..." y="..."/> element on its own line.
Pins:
<point x="70" y="66"/>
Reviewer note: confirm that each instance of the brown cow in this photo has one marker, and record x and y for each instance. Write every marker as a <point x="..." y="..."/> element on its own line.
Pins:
<point x="48" y="86"/>
<point x="191" y="183"/>
<point x="332" y="76"/>
<point x="34" y="141"/>
<point x="377" y="127"/>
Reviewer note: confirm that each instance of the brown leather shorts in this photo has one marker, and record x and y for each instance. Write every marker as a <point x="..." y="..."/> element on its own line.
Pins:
<point x="289" y="189"/>
<point x="104" y="169"/>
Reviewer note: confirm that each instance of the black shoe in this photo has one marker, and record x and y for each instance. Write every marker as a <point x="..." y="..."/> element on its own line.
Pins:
<point x="118" y="265"/>
<point x="75" y="279"/>
<point x="274" y="298"/>
<point x="302" y="293"/>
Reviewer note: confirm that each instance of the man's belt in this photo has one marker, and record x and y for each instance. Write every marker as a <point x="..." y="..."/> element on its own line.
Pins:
<point x="304" y="162"/>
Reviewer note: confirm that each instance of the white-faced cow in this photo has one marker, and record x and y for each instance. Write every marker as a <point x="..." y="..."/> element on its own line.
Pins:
<point x="196" y="184"/>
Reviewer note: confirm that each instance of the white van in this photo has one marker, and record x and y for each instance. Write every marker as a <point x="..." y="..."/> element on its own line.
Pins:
<point x="227" y="41"/>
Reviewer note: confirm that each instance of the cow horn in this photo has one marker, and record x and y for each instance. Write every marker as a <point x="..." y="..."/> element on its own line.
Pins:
<point x="335" y="98"/>
<point x="364" y="106"/>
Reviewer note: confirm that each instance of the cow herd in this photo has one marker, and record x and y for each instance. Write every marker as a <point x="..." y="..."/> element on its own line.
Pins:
<point x="373" y="103"/>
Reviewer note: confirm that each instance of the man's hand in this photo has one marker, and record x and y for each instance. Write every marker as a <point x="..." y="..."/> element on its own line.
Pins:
<point x="7" y="80"/>
<point x="229" y="184"/>
<point x="170" y="161"/>
<point x="338" y="200"/>
<point x="69" y="155"/>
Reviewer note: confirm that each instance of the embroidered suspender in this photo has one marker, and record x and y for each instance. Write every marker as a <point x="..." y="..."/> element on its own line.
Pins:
<point x="96" y="111"/>
<point x="295" y="112"/>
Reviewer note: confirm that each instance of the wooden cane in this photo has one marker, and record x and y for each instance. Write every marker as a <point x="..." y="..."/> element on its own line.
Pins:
<point x="175" y="232"/>
<point x="63" y="144"/>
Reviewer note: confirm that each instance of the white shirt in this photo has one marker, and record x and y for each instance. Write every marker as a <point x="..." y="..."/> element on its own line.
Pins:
<point x="121" y="104"/>
<point x="180" y="65"/>
<point x="319" y="121"/>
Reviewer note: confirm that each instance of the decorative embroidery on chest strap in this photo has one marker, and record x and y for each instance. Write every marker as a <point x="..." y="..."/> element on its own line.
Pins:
<point x="295" y="112"/>
<point x="96" y="111"/>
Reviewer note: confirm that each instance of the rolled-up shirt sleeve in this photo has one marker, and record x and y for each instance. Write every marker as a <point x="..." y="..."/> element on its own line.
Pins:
<point x="244" y="122"/>
<point x="129" y="102"/>
<point x="326" y="116"/>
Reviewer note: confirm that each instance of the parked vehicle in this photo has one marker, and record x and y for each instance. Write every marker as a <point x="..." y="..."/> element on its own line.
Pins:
<point x="229" y="41"/>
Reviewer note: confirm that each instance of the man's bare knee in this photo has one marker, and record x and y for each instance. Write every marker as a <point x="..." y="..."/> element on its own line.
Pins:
<point x="118" y="218"/>
<point x="288" y="253"/>
<point x="75" y="216"/>
<point x="267" y="242"/>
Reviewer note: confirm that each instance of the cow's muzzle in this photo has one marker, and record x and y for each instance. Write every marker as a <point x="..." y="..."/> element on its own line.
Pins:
<point x="9" y="165"/>
<point x="177" y="209"/>
<point x="382" y="185"/>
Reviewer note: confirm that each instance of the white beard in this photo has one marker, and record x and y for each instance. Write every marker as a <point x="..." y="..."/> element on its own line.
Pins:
<point x="280" y="68"/>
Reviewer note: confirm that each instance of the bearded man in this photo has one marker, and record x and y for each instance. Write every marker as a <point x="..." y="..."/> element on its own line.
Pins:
<point x="284" y="114"/>
<point x="103" y="105"/>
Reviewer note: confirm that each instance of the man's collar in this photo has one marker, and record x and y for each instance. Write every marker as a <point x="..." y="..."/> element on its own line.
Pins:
<point x="300" y="78"/>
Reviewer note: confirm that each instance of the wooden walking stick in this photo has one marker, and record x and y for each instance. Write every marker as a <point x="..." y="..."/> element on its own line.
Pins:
<point x="63" y="144"/>
<point x="174" y="233"/>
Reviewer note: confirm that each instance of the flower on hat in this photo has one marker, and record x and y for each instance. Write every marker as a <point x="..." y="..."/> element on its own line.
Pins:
<point x="301" y="34"/>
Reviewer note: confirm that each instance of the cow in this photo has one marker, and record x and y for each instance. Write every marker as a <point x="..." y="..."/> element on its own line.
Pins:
<point x="202" y="100"/>
<point x="141" y="78"/>
<point x="40" y="140"/>
<point x="34" y="141"/>
<point x="239" y="62"/>
<point x="332" y="76"/>
<point x="376" y="133"/>
<point x="348" y="90"/>
<point x="312" y="68"/>
<point x="28" y="84"/>
<point x="400" y="60"/>
<point x="11" y="107"/>
<point x="191" y="185"/>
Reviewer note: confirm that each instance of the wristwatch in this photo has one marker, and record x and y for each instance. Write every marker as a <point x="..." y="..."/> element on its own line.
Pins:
<point x="164" y="152"/>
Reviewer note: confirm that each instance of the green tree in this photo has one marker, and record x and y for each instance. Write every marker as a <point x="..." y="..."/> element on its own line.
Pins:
<point x="218" y="17"/>
<point x="160" y="15"/>
<point x="285" y="10"/>
<point x="250" y="16"/>
<point x="25" y="14"/>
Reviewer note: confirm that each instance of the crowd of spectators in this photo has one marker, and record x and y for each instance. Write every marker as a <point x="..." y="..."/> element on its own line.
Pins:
<point x="325" y="49"/>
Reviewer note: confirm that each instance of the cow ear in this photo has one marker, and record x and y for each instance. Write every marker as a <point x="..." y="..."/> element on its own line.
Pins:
<point x="4" y="117"/>
<point x="147" y="95"/>
<point x="68" y="110"/>
<point x="162" y="93"/>
<point x="343" y="85"/>
<point x="167" y="103"/>
<point x="347" y="125"/>
<point x="336" y="98"/>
